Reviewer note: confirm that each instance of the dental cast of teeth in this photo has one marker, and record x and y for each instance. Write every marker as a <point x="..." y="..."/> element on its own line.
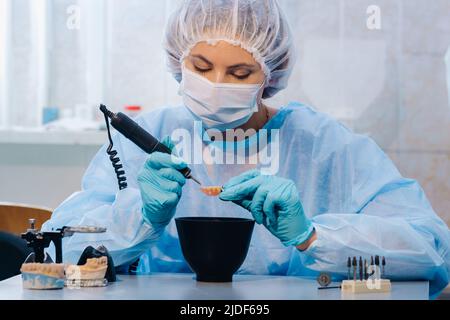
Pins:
<point x="52" y="270"/>
<point x="94" y="269"/>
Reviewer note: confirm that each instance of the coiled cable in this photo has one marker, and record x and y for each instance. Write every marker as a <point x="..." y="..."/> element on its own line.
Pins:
<point x="115" y="160"/>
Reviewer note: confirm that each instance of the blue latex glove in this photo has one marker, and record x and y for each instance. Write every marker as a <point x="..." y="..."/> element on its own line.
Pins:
<point x="161" y="186"/>
<point x="274" y="202"/>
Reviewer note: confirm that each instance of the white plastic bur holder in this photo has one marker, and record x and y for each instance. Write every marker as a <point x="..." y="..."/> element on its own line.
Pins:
<point x="366" y="286"/>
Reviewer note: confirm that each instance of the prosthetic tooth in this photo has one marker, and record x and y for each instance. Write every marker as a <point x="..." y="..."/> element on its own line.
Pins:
<point x="211" y="191"/>
<point x="91" y="262"/>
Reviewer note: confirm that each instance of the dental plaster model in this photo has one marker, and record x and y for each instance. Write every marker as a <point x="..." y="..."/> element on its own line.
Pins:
<point x="94" y="269"/>
<point x="42" y="276"/>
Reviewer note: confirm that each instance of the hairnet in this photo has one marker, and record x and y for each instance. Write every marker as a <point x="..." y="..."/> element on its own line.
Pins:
<point x="258" y="26"/>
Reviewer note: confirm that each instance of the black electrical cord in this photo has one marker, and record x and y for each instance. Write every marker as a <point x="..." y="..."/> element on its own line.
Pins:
<point x="120" y="173"/>
<point x="115" y="160"/>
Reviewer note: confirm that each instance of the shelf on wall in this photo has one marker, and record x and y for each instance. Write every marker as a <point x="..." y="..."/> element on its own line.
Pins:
<point x="42" y="137"/>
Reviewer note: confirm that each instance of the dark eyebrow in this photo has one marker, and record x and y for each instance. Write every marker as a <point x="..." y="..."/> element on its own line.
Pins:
<point x="242" y="65"/>
<point x="236" y="66"/>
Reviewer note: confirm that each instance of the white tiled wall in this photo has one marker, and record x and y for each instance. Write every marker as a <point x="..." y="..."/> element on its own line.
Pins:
<point x="393" y="81"/>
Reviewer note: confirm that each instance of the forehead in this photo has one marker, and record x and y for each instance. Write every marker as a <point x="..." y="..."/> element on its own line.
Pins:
<point x="223" y="53"/>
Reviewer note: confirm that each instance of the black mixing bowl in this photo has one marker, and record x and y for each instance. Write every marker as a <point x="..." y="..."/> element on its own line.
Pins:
<point x="215" y="248"/>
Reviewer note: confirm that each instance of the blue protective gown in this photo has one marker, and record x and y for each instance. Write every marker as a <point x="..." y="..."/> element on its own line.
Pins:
<point x="359" y="203"/>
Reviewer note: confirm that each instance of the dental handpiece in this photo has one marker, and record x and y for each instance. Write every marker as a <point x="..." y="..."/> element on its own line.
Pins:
<point x="140" y="137"/>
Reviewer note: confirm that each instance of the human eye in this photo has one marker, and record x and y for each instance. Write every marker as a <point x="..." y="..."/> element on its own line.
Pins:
<point x="202" y="69"/>
<point x="241" y="74"/>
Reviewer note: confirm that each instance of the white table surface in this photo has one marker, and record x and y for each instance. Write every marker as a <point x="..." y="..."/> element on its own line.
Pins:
<point x="184" y="287"/>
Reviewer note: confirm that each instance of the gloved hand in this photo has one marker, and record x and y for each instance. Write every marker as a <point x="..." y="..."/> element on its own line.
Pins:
<point x="161" y="186"/>
<point x="274" y="202"/>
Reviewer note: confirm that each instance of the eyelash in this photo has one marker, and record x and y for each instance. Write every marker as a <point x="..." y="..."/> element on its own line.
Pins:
<point x="204" y="71"/>
<point x="242" y="77"/>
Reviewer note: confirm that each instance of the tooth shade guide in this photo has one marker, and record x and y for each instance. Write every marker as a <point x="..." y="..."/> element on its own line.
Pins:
<point x="211" y="191"/>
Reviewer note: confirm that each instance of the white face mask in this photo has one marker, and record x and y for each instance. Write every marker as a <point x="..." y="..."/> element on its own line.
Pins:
<point x="220" y="106"/>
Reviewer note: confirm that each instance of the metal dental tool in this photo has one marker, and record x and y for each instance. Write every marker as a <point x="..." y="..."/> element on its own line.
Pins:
<point x="349" y="267"/>
<point x="361" y="267"/>
<point x="324" y="281"/>
<point x="38" y="240"/>
<point x="140" y="137"/>
<point x="371" y="267"/>
<point x="366" y="266"/>
<point x="377" y="264"/>
<point x="362" y="278"/>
